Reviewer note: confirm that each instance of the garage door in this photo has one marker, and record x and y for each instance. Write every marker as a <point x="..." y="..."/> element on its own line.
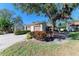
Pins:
<point x="37" y="28"/>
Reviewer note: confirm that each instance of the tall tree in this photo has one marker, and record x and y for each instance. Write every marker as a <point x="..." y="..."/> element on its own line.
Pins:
<point x="5" y="20"/>
<point x="51" y="10"/>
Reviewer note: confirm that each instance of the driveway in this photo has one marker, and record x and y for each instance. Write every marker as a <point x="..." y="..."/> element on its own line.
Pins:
<point x="9" y="39"/>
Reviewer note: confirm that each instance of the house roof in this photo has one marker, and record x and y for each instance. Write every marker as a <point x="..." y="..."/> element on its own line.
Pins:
<point x="35" y="23"/>
<point x="74" y="23"/>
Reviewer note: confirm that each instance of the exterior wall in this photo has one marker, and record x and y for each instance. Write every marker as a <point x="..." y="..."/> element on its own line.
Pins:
<point x="36" y="27"/>
<point x="25" y="27"/>
<point x="41" y="27"/>
<point x="32" y="28"/>
<point x="28" y="27"/>
<point x="73" y="26"/>
<point x="18" y="27"/>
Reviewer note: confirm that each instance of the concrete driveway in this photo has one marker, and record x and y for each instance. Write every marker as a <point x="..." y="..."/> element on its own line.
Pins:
<point x="9" y="39"/>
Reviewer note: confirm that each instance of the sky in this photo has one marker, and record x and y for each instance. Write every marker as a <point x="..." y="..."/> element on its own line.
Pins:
<point x="28" y="19"/>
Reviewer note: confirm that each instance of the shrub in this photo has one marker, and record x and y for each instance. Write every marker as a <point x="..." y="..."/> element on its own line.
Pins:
<point x="28" y="36"/>
<point x="74" y="35"/>
<point x="20" y="32"/>
<point x="39" y="35"/>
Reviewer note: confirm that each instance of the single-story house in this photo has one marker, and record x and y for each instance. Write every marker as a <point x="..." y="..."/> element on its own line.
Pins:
<point x="74" y="26"/>
<point x="36" y="26"/>
<point x="43" y="26"/>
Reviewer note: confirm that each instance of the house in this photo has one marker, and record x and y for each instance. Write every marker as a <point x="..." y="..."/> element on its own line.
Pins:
<point x="43" y="26"/>
<point x="74" y="26"/>
<point x="18" y="26"/>
<point x="36" y="26"/>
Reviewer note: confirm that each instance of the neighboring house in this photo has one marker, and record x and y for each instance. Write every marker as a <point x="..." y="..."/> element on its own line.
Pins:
<point x="74" y="26"/>
<point x="18" y="26"/>
<point x="36" y="26"/>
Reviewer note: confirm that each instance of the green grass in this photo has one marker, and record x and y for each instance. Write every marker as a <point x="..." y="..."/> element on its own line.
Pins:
<point x="33" y="48"/>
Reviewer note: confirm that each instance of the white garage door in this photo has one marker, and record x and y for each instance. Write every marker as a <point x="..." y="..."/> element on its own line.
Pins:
<point x="37" y="28"/>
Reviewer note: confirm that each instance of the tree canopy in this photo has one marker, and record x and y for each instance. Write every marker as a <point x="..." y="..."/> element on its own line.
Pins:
<point x="7" y="20"/>
<point x="52" y="10"/>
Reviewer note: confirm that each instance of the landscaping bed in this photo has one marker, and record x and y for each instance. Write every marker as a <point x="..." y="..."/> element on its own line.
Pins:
<point x="47" y="36"/>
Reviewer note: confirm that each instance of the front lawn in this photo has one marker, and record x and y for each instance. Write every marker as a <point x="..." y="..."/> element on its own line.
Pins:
<point x="33" y="48"/>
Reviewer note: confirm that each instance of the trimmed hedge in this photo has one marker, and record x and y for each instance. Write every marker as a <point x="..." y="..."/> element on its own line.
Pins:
<point x="21" y="32"/>
<point x="39" y="35"/>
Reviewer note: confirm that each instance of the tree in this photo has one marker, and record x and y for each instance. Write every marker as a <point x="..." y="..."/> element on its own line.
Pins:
<point x="18" y="19"/>
<point x="6" y="20"/>
<point x="5" y="25"/>
<point x="52" y="11"/>
<point x="18" y="23"/>
<point x="62" y="25"/>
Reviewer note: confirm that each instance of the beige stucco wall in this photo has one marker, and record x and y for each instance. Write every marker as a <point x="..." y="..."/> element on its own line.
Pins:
<point x="32" y="27"/>
<point x="41" y="27"/>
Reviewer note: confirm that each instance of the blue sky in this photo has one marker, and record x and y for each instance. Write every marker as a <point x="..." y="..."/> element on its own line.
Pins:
<point x="28" y="19"/>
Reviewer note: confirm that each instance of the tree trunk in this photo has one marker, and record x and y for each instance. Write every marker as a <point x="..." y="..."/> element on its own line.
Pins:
<point x="52" y="19"/>
<point x="53" y="25"/>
